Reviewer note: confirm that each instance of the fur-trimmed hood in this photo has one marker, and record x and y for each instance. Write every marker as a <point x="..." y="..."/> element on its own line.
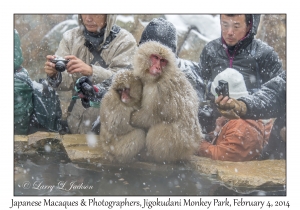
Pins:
<point x="110" y="22"/>
<point x="141" y="61"/>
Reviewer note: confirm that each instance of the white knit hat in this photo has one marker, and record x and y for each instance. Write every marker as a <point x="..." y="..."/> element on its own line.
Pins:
<point x="236" y="83"/>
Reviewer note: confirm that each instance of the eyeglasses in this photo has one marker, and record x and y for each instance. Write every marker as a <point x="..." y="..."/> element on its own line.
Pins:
<point x="235" y="27"/>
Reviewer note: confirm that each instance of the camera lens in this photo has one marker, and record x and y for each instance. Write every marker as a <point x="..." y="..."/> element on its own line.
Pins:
<point x="218" y="90"/>
<point x="60" y="66"/>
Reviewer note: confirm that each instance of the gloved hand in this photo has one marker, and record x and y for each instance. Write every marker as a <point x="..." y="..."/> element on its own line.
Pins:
<point x="90" y="94"/>
<point x="233" y="110"/>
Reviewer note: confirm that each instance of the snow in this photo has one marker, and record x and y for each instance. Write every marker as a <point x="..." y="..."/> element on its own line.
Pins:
<point x="37" y="86"/>
<point x="125" y="19"/>
<point x="207" y="25"/>
<point x="91" y="140"/>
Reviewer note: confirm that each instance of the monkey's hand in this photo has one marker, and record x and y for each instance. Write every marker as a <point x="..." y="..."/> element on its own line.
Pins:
<point x="90" y="94"/>
<point x="233" y="109"/>
<point x="133" y="119"/>
<point x="137" y="120"/>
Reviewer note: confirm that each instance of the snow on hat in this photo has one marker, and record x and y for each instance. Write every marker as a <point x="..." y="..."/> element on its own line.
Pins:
<point x="236" y="83"/>
<point x="162" y="31"/>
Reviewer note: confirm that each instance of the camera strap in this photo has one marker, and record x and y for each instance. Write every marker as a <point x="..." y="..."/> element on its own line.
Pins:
<point x="97" y="55"/>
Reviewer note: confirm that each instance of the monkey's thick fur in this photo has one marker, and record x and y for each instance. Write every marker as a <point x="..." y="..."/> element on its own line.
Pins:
<point x="120" y="141"/>
<point x="169" y="109"/>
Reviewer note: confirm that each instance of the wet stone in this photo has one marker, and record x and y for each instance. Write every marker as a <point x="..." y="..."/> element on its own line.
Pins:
<point x="74" y="148"/>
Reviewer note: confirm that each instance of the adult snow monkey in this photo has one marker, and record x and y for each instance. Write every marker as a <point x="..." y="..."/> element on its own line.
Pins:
<point x="120" y="141"/>
<point x="169" y="106"/>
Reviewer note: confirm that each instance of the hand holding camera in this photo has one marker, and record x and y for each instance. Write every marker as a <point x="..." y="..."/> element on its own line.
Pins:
<point x="231" y="108"/>
<point x="60" y="64"/>
<point x="90" y="94"/>
<point x="222" y="88"/>
<point x="228" y="107"/>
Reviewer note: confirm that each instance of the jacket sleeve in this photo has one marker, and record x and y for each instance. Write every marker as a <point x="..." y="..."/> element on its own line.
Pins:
<point x="121" y="58"/>
<point x="191" y="71"/>
<point x="204" y="71"/>
<point x="269" y="101"/>
<point x="236" y="142"/>
<point x="270" y="64"/>
<point x="63" y="50"/>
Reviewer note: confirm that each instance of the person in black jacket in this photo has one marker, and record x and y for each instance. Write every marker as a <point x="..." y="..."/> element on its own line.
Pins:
<point x="238" y="49"/>
<point x="269" y="102"/>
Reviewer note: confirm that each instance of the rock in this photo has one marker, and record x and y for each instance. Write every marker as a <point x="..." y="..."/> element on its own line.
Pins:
<point x="192" y="46"/>
<point x="78" y="150"/>
<point x="244" y="174"/>
<point x="250" y="174"/>
<point x="272" y="30"/>
<point x="38" y="136"/>
<point x="127" y="22"/>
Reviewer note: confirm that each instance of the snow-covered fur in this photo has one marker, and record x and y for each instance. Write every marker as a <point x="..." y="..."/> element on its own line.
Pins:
<point x="120" y="141"/>
<point x="169" y="107"/>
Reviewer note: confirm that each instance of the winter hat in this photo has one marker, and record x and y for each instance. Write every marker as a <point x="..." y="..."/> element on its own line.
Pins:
<point x="236" y="83"/>
<point x="162" y="31"/>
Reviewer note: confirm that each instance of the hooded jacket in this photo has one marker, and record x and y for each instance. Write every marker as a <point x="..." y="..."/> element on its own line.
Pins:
<point x="272" y="100"/>
<point x="116" y="54"/>
<point x="254" y="59"/>
<point x="238" y="140"/>
<point x="23" y="105"/>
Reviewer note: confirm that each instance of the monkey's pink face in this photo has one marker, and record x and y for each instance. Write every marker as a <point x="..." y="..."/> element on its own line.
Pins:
<point x="125" y="95"/>
<point x="157" y="64"/>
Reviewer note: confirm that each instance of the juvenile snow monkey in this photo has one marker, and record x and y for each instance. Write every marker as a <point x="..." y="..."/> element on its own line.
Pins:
<point x="119" y="139"/>
<point x="169" y="107"/>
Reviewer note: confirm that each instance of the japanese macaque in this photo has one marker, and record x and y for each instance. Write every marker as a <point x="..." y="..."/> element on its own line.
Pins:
<point x="121" y="142"/>
<point x="169" y="107"/>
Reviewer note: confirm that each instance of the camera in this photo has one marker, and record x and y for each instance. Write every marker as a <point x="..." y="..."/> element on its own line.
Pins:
<point x="222" y="88"/>
<point x="60" y="64"/>
<point x="206" y="119"/>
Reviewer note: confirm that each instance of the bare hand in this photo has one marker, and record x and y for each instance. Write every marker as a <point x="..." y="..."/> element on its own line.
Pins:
<point x="76" y="65"/>
<point x="49" y="66"/>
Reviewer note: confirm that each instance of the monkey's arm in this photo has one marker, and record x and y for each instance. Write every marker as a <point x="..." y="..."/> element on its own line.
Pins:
<point x="117" y="122"/>
<point x="140" y="119"/>
<point x="114" y="115"/>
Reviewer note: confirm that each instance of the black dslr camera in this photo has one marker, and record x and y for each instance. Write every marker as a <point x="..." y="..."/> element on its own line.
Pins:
<point x="60" y="64"/>
<point x="222" y="88"/>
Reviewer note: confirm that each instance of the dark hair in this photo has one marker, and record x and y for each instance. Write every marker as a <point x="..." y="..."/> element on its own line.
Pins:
<point x="247" y="17"/>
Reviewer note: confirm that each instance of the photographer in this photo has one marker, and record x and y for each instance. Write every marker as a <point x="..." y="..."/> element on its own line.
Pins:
<point x="235" y="139"/>
<point x="97" y="49"/>
<point x="23" y="91"/>
<point x="270" y="101"/>
<point x="238" y="48"/>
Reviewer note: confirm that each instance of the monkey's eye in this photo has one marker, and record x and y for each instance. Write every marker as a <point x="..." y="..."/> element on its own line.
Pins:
<point x="119" y="91"/>
<point x="163" y="62"/>
<point x="154" y="57"/>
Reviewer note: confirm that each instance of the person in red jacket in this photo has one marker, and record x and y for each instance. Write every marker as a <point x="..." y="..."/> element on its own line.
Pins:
<point x="235" y="139"/>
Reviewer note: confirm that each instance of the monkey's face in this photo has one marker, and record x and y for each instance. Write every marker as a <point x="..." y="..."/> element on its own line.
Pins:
<point x="124" y="95"/>
<point x="128" y="88"/>
<point x="157" y="64"/>
<point x="153" y="62"/>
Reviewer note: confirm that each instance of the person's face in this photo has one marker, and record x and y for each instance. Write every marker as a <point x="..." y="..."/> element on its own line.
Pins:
<point x="233" y="28"/>
<point x="94" y="23"/>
